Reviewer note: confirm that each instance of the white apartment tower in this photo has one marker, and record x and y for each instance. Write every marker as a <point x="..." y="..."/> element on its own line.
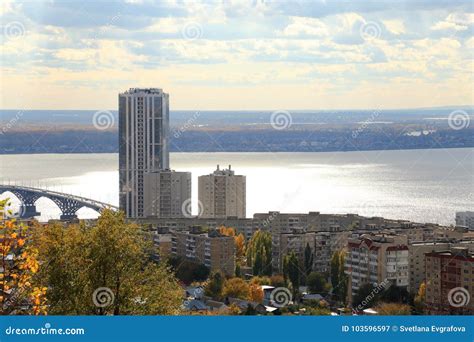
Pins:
<point x="167" y="193"/>
<point x="222" y="194"/>
<point x="143" y="144"/>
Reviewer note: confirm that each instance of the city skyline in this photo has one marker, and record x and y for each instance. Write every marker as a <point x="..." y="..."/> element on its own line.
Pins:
<point x="238" y="55"/>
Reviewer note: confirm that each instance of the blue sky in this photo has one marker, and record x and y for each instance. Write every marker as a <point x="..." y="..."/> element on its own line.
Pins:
<point x="229" y="54"/>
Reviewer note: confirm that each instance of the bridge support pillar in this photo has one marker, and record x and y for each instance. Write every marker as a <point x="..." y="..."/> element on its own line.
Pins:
<point x="28" y="210"/>
<point x="68" y="217"/>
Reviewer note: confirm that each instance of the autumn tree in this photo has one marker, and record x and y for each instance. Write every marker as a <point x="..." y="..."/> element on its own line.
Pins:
<point x="104" y="269"/>
<point x="239" y="241"/>
<point x="19" y="290"/>
<point x="255" y="293"/>
<point x="393" y="309"/>
<point x="277" y="280"/>
<point x="419" y="300"/>
<point x="263" y="280"/>
<point x="259" y="253"/>
<point x="236" y="288"/>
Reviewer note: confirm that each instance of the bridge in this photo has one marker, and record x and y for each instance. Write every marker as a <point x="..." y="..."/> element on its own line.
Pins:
<point x="68" y="204"/>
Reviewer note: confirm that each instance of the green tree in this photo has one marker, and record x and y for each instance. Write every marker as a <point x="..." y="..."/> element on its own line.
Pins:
<point x="104" y="269"/>
<point x="259" y="253"/>
<point x="316" y="283"/>
<point x="338" y="277"/>
<point x="215" y="285"/>
<point x="291" y="265"/>
<point x="308" y="260"/>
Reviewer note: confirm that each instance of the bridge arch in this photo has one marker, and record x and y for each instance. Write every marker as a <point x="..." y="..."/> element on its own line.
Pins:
<point x="67" y="203"/>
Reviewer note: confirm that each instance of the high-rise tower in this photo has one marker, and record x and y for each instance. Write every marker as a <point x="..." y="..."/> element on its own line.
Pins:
<point x="143" y="144"/>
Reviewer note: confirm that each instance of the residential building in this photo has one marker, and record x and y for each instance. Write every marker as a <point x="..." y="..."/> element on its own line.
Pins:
<point x="416" y="256"/>
<point x="465" y="218"/>
<point x="167" y="194"/>
<point x="210" y="248"/>
<point x="450" y="282"/>
<point x="222" y="194"/>
<point x="143" y="144"/>
<point x="373" y="259"/>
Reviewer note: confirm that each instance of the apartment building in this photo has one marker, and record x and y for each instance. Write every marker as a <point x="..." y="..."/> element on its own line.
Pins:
<point x="465" y="218"/>
<point x="416" y="256"/>
<point x="167" y="194"/>
<point x="143" y="144"/>
<point x="450" y="282"/>
<point x="222" y="194"/>
<point x="374" y="258"/>
<point x="210" y="248"/>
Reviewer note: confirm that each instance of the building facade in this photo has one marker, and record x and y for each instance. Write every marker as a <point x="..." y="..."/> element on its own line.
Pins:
<point x="375" y="259"/>
<point x="167" y="193"/>
<point x="210" y="248"/>
<point x="465" y="218"/>
<point x="222" y="194"/>
<point x="143" y="144"/>
<point x="417" y="251"/>
<point x="450" y="282"/>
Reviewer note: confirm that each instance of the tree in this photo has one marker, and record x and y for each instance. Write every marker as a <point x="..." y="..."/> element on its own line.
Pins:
<point x="395" y="294"/>
<point x="261" y="280"/>
<point x="104" y="269"/>
<point x="419" y="301"/>
<point x="259" y="253"/>
<point x="255" y="293"/>
<point x="316" y="283"/>
<point x="215" y="285"/>
<point x="236" y="288"/>
<point x="365" y="297"/>
<point x="277" y="281"/>
<point x="308" y="260"/>
<point x="19" y="291"/>
<point x="291" y="265"/>
<point x="335" y="269"/>
<point x="393" y="309"/>
<point x="239" y="240"/>
<point x="338" y="277"/>
<point x="188" y="271"/>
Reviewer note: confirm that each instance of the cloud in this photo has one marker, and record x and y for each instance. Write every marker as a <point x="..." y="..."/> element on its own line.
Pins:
<point x="339" y="45"/>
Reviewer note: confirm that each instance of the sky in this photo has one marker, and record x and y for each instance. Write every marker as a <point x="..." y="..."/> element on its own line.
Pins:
<point x="238" y="55"/>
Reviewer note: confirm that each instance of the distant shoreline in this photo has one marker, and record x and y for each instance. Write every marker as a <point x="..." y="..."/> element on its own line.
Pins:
<point x="279" y="152"/>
